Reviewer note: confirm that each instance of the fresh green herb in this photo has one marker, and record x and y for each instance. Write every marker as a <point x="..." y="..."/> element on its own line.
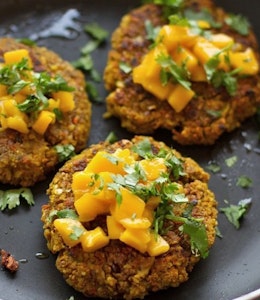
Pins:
<point x="244" y="181"/>
<point x="214" y="113"/>
<point x="84" y="63"/>
<point x="96" y="31"/>
<point x="203" y="14"/>
<point x="67" y="214"/>
<point x="234" y="213"/>
<point x="172" y="72"/>
<point x="76" y="233"/>
<point x="126" y="68"/>
<point x="26" y="41"/>
<point x="214" y="167"/>
<point x="93" y="92"/>
<point x="239" y="23"/>
<point x="11" y="198"/>
<point x="218" y="233"/>
<point x="231" y="161"/>
<point x="143" y="149"/>
<point x="64" y="152"/>
<point x="30" y="104"/>
<point x="111" y="138"/>
<point x="152" y="32"/>
<point x="198" y="236"/>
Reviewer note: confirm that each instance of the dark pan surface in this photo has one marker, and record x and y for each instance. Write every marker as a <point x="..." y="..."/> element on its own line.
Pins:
<point x="233" y="267"/>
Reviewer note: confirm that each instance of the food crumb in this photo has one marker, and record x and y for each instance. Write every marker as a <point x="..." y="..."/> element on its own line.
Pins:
<point x="8" y="261"/>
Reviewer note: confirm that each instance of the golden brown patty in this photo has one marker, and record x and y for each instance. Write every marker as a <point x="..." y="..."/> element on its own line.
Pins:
<point x="28" y="158"/>
<point x="118" y="270"/>
<point x="140" y="112"/>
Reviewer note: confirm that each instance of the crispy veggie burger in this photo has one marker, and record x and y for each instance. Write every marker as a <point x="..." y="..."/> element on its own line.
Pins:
<point x="44" y="112"/>
<point x="129" y="218"/>
<point x="186" y="66"/>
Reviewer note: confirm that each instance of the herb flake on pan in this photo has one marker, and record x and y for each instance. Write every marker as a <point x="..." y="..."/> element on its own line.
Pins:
<point x="235" y="213"/>
<point x="64" y="152"/>
<point x="231" y="161"/>
<point x="10" y="199"/>
<point x="126" y="68"/>
<point x="111" y="138"/>
<point x="239" y="23"/>
<point x="244" y="181"/>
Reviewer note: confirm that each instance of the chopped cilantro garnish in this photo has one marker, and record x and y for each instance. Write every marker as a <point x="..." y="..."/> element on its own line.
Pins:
<point x="76" y="234"/>
<point x="244" y="181"/>
<point x="126" y="68"/>
<point x="143" y="149"/>
<point x="214" y="167"/>
<point x="231" y="161"/>
<point x="239" y="23"/>
<point x="96" y="31"/>
<point x="11" y="198"/>
<point x="234" y="213"/>
<point x="203" y="14"/>
<point x="64" y="152"/>
<point x="172" y="72"/>
<point x="152" y="32"/>
<point x="26" y="41"/>
<point x="111" y="138"/>
<point x="66" y="214"/>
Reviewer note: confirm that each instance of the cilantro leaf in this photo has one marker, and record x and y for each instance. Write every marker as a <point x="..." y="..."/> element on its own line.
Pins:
<point x="203" y="14"/>
<point x="67" y="213"/>
<point x="111" y="138"/>
<point x="76" y="233"/>
<point x="234" y="213"/>
<point x="231" y="161"/>
<point x="96" y="31"/>
<point x="172" y="72"/>
<point x="143" y="148"/>
<point x="152" y="32"/>
<point x="244" y="181"/>
<point x="126" y="68"/>
<point x="239" y="23"/>
<point x="65" y="152"/>
<point x="198" y="236"/>
<point x="11" y="198"/>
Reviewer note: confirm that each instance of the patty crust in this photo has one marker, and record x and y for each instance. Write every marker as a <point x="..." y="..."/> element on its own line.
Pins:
<point x="27" y="158"/>
<point x="141" y="112"/>
<point x="118" y="270"/>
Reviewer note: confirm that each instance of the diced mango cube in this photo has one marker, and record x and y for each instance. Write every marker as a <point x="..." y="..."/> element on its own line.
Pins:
<point x="142" y="223"/>
<point x="173" y="36"/>
<point x="70" y="230"/>
<point x="203" y="24"/>
<point x="114" y="228"/>
<point x="82" y="183"/>
<point x="184" y="57"/>
<point x="43" y="121"/>
<point x="180" y="97"/>
<point x="246" y="61"/>
<point x="198" y="74"/>
<point x="153" y="168"/>
<point x="157" y="245"/>
<point x="130" y="206"/>
<point x="136" y="238"/>
<point x="221" y="40"/>
<point x="88" y="207"/>
<point x="3" y="90"/>
<point x="53" y="104"/>
<point x="66" y="100"/>
<point x="15" y="56"/>
<point x="17" y="123"/>
<point x="93" y="240"/>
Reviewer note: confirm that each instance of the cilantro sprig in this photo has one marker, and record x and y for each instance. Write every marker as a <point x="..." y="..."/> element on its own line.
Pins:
<point x="10" y="199"/>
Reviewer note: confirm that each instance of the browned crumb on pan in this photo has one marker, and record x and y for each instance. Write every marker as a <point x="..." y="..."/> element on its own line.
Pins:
<point x="8" y="261"/>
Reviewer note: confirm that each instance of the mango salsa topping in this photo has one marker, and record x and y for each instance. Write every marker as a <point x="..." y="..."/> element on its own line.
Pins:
<point x="184" y="54"/>
<point x="136" y="192"/>
<point x="30" y="100"/>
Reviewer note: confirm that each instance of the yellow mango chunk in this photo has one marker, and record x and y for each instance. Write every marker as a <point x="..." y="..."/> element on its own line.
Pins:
<point x="3" y="90"/>
<point x="43" y="121"/>
<point x="70" y="230"/>
<point x="153" y="168"/>
<point x="148" y="73"/>
<point x="15" y="56"/>
<point x="204" y="50"/>
<point x="82" y="183"/>
<point x="183" y="56"/>
<point x="173" y="36"/>
<point x="17" y="123"/>
<point x="246" y="61"/>
<point x="93" y="240"/>
<point x="114" y="228"/>
<point x="180" y="97"/>
<point x="107" y="162"/>
<point x="10" y="108"/>
<point x="221" y="40"/>
<point x="130" y="206"/>
<point x="203" y="24"/>
<point x="136" y="238"/>
<point x="88" y="207"/>
<point x="157" y="245"/>
<point x="66" y="100"/>
<point x="53" y="104"/>
<point x="198" y="74"/>
<point x="142" y="223"/>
